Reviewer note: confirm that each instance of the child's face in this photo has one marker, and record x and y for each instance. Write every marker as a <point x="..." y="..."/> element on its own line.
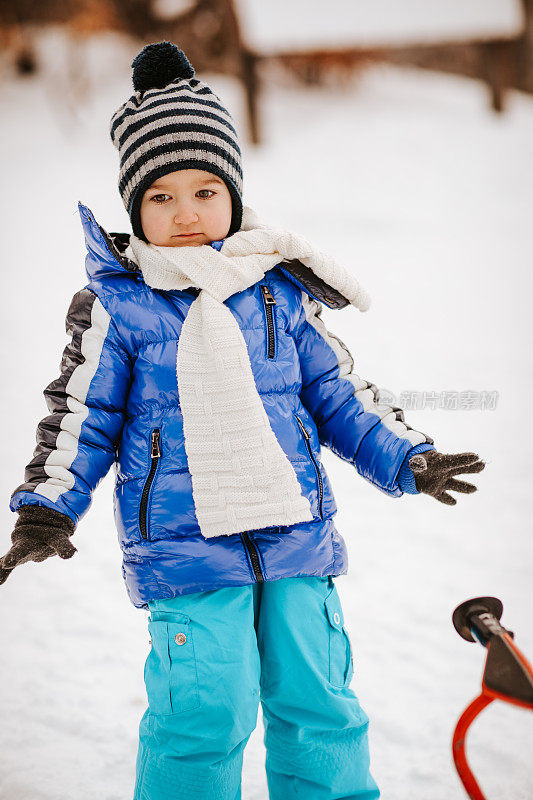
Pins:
<point x="190" y="201"/>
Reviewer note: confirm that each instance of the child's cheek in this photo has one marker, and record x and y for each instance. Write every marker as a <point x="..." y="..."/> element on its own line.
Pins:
<point x="160" y="220"/>
<point x="157" y="221"/>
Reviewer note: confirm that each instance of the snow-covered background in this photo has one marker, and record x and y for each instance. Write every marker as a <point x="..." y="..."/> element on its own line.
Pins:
<point x="411" y="181"/>
<point x="279" y="26"/>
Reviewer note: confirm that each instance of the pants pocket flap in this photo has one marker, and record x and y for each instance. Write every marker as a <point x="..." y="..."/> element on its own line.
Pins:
<point x="170" y="673"/>
<point x="334" y="611"/>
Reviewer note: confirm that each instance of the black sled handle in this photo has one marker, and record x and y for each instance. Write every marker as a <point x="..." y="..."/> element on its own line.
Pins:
<point x="508" y="675"/>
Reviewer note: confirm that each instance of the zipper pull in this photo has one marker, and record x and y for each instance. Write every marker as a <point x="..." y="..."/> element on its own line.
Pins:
<point x="302" y="426"/>
<point x="155" y="451"/>
<point x="267" y="296"/>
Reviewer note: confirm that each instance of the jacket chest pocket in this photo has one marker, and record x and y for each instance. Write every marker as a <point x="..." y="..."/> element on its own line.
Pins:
<point x="340" y="650"/>
<point x="170" y="672"/>
<point x="269" y="305"/>
<point x="155" y="456"/>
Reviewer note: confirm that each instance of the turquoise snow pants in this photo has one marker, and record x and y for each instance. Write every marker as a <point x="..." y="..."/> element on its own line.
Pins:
<point x="214" y="656"/>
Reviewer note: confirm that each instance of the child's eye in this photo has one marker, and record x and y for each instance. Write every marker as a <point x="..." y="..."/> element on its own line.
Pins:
<point x="159" y="198"/>
<point x="206" y="190"/>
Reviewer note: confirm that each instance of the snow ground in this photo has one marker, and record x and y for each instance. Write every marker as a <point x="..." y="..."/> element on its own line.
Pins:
<point x="410" y="180"/>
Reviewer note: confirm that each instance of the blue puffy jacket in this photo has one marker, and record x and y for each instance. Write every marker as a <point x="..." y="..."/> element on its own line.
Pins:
<point x="116" y="402"/>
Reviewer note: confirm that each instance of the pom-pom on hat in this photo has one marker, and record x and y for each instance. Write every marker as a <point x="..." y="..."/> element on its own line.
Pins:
<point x="159" y="64"/>
<point x="173" y="121"/>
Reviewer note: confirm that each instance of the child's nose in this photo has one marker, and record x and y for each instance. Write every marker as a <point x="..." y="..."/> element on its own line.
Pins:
<point x="185" y="214"/>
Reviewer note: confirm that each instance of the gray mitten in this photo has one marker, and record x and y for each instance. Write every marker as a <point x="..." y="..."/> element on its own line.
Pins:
<point x="39" y="533"/>
<point x="434" y="473"/>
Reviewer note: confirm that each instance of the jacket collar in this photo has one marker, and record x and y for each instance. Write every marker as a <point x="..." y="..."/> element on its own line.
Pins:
<point x="106" y="251"/>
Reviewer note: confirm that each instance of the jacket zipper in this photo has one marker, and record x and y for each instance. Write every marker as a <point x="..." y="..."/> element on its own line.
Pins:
<point x="155" y="453"/>
<point x="317" y="468"/>
<point x="254" y="557"/>
<point x="269" y="302"/>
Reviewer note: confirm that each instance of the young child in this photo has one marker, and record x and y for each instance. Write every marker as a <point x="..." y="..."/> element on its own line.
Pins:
<point x="200" y="367"/>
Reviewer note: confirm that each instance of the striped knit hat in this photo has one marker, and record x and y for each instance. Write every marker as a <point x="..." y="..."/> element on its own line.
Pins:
<point x="173" y="122"/>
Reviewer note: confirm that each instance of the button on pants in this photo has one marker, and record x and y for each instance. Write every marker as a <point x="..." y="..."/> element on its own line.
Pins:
<point x="215" y="655"/>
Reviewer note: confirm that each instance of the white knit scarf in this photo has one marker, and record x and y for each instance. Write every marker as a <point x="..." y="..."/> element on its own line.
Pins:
<point x="241" y="478"/>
